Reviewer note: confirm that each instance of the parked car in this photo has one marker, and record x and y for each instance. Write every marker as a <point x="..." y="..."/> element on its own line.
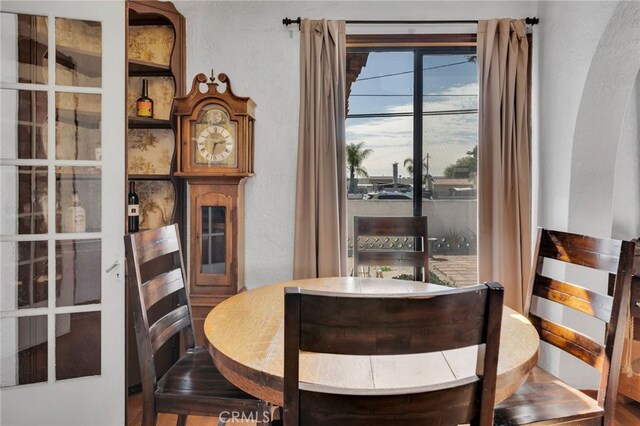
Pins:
<point x="462" y="192"/>
<point x="383" y="195"/>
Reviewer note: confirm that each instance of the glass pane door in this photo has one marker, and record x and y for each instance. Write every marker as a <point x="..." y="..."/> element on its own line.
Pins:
<point x="411" y="127"/>
<point x="55" y="298"/>
<point x="53" y="263"/>
<point x="449" y="168"/>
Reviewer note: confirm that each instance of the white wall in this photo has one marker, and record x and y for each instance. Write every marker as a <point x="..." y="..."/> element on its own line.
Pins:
<point x="626" y="189"/>
<point x="247" y="41"/>
<point x="564" y="43"/>
<point x="589" y="55"/>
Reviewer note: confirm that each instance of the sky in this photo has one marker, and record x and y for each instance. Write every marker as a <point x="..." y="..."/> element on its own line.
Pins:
<point x="385" y="85"/>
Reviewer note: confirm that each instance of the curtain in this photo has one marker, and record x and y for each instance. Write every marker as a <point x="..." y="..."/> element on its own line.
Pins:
<point x="504" y="179"/>
<point x="320" y="240"/>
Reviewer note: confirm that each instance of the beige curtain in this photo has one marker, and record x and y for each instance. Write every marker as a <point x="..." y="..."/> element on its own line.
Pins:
<point x="320" y="223"/>
<point x="504" y="179"/>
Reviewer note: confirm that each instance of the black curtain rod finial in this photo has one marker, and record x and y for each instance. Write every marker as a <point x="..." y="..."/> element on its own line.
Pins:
<point x="289" y="21"/>
<point x="532" y="21"/>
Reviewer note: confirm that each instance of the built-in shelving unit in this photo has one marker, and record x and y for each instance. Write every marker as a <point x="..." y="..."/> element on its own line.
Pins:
<point x="156" y="49"/>
<point x="156" y="52"/>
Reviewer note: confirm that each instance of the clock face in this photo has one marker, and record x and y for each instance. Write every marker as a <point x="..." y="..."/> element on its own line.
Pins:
<point x="215" y="141"/>
<point x="215" y="144"/>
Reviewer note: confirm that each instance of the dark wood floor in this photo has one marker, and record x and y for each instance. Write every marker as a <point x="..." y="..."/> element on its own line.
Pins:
<point x="626" y="415"/>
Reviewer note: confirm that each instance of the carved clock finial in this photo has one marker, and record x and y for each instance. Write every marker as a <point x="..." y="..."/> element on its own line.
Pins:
<point x="213" y="86"/>
<point x="185" y="105"/>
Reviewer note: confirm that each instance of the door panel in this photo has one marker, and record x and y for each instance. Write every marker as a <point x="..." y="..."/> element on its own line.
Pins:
<point x="61" y="217"/>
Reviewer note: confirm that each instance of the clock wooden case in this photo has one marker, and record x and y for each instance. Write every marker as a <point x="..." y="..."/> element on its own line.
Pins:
<point x="216" y="130"/>
<point x="215" y="137"/>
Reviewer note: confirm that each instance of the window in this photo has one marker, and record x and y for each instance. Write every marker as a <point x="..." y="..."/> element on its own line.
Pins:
<point x="415" y="102"/>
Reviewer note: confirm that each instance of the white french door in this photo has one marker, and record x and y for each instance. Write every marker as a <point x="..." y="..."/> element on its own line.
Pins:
<point x="62" y="332"/>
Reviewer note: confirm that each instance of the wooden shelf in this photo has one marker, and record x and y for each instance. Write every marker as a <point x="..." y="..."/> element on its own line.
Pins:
<point x="141" y="19"/>
<point x="143" y="69"/>
<point x="149" y="177"/>
<point x="155" y="51"/>
<point x="148" y="123"/>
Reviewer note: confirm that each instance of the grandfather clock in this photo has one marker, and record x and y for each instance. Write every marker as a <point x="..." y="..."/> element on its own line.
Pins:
<point x="215" y="131"/>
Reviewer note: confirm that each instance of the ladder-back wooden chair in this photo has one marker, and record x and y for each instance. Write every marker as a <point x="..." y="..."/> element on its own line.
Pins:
<point x="391" y="241"/>
<point x="193" y="385"/>
<point x="544" y="399"/>
<point x="361" y="324"/>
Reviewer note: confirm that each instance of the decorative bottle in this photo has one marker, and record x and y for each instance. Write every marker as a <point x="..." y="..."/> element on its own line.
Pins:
<point x="144" y="104"/>
<point x="133" y="215"/>
<point x="76" y="216"/>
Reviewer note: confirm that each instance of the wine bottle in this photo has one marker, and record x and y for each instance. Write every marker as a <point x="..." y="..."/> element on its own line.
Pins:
<point x="133" y="222"/>
<point x="144" y="104"/>
<point x="76" y="215"/>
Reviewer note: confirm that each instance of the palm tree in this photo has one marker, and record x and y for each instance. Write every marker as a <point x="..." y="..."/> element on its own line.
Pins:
<point x="355" y="156"/>
<point x="408" y="164"/>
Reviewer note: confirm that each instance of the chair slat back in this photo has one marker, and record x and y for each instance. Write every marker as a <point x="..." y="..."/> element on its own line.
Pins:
<point x="161" y="286"/>
<point x="402" y="225"/>
<point x="155" y="270"/>
<point x="449" y="406"/>
<point x="155" y="243"/>
<point x="168" y="326"/>
<point x="391" y="258"/>
<point x="612" y="256"/>
<point x="393" y="324"/>
<point x="402" y="324"/>
<point x="577" y="344"/>
<point x="416" y="255"/>
<point x="579" y="298"/>
<point x="596" y="253"/>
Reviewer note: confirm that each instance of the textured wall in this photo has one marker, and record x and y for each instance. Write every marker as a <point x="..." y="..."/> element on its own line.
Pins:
<point x="597" y="138"/>
<point x="626" y="187"/>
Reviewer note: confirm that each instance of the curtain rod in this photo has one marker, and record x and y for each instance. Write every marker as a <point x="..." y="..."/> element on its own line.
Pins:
<point x="289" y="21"/>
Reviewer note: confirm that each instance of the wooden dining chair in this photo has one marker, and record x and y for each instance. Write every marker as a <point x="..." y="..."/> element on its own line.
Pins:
<point x="392" y="324"/>
<point x="193" y="385"/>
<point x="391" y="241"/>
<point x="544" y="399"/>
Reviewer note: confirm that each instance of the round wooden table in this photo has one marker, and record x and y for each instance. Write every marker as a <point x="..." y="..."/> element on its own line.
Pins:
<point x="245" y="337"/>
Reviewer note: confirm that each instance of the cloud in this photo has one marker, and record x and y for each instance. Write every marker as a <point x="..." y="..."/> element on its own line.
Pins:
<point x="446" y="137"/>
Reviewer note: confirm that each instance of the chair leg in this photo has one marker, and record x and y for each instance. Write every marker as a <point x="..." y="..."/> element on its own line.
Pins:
<point x="277" y="416"/>
<point x="149" y="417"/>
<point x="264" y="414"/>
<point x="182" y="420"/>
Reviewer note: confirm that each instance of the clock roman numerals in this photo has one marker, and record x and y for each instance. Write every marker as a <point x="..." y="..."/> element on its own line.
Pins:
<point x="215" y="144"/>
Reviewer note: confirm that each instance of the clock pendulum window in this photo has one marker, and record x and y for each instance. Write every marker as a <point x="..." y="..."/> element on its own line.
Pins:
<point x="215" y="132"/>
